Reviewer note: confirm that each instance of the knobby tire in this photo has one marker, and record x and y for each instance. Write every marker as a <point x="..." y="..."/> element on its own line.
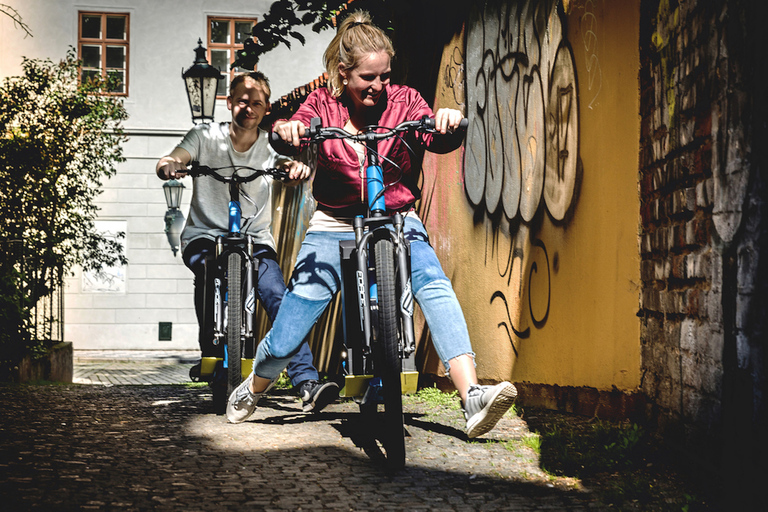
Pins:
<point x="234" y="320"/>
<point x="387" y="363"/>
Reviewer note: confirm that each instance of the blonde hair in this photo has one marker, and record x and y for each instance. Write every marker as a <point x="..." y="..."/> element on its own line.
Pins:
<point x="357" y="37"/>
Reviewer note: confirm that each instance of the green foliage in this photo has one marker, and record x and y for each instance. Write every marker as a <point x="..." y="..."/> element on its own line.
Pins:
<point x="283" y="382"/>
<point x="59" y="141"/>
<point x="276" y="26"/>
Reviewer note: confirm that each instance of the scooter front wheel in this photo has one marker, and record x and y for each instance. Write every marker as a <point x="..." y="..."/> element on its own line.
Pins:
<point x="387" y="363"/>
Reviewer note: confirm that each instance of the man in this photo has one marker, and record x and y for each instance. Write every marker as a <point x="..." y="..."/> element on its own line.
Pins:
<point x="240" y="143"/>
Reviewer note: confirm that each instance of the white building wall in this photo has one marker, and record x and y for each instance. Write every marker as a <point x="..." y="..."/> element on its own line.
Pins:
<point x="155" y="286"/>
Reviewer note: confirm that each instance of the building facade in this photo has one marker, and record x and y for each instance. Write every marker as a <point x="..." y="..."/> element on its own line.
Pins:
<point x="604" y="225"/>
<point x="146" y="304"/>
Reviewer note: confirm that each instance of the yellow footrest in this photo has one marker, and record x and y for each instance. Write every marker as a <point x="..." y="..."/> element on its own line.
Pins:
<point x="355" y="385"/>
<point x="208" y="365"/>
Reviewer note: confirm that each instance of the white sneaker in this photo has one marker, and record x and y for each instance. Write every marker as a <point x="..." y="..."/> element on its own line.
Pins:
<point x="486" y="405"/>
<point x="242" y="403"/>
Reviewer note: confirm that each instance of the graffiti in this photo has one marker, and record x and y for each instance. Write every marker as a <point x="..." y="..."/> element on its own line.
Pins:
<point x="522" y="106"/>
<point x="453" y="77"/>
<point x="666" y="23"/>
<point x="522" y="147"/>
<point x="589" y="37"/>
<point x="509" y="324"/>
<point x="538" y="314"/>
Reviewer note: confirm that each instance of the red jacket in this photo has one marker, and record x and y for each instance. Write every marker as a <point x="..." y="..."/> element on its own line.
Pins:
<point x="337" y="181"/>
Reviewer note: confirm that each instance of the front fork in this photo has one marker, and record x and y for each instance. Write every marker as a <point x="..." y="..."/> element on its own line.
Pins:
<point x="243" y="246"/>
<point x="366" y="294"/>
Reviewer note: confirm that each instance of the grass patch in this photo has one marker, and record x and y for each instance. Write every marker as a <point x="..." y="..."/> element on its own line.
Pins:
<point x="437" y="398"/>
<point x="283" y="382"/>
<point x="624" y="464"/>
<point x="195" y="385"/>
<point x="533" y="441"/>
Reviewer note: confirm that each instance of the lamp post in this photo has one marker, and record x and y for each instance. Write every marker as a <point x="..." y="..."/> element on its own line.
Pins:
<point x="174" y="219"/>
<point x="202" y="81"/>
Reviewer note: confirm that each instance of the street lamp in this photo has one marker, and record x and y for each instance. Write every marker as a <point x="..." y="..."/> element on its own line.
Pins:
<point x="202" y="81"/>
<point x="174" y="219"/>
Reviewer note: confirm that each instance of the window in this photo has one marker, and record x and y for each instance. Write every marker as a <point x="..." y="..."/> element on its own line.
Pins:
<point x="225" y="37"/>
<point x="102" y="46"/>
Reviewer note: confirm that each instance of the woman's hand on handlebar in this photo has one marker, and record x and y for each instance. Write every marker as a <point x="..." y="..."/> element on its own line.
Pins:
<point x="447" y="120"/>
<point x="290" y="131"/>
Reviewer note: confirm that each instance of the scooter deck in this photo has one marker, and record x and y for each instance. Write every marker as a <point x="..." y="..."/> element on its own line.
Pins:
<point x="208" y="365"/>
<point x="356" y="385"/>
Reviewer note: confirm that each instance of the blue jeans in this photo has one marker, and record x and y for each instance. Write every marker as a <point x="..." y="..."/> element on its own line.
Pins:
<point x="271" y="288"/>
<point x="316" y="278"/>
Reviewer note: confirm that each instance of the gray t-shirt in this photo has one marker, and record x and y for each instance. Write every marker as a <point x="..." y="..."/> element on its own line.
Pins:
<point x="208" y="216"/>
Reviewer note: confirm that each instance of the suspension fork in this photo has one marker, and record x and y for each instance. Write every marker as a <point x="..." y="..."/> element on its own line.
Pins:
<point x="361" y="278"/>
<point x="402" y="253"/>
<point x="218" y="299"/>
<point x="251" y="268"/>
<point x="251" y="278"/>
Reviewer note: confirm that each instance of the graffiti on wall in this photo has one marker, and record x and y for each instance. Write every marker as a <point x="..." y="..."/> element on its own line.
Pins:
<point x="522" y="141"/>
<point x="522" y="106"/>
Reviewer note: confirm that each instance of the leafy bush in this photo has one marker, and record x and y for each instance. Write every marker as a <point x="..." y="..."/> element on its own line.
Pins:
<point x="59" y="140"/>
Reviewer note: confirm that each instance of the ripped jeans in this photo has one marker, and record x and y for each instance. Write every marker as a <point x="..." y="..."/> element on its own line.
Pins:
<point x="317" y="277"/>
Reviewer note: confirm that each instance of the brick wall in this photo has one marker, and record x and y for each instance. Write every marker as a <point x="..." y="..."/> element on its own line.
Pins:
<point x="703" y="224"/>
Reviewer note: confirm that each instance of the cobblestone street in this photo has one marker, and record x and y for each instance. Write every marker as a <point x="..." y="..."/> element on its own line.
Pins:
<point x="160" y="447"/>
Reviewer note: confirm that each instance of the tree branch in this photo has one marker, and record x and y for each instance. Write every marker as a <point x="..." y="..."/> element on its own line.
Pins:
<point x="16" y="17"/>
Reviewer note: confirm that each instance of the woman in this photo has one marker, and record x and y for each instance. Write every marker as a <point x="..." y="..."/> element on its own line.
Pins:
<point x="359" y="94"/>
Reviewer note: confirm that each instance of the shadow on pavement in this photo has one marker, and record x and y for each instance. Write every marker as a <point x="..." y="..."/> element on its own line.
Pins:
<point x="161" y="448"/>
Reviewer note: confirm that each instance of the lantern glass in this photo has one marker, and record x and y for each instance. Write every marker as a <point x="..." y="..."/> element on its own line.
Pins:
<point x="201" y="82"/>
<point x="173" y="190"/>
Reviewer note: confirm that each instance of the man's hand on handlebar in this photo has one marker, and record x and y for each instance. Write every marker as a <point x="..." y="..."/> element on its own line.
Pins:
<point x="297" y="172"/>
<point x="169" y="168"/>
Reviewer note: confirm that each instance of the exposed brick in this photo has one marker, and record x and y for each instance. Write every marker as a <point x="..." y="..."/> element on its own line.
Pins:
<point x="702" y="198"/>
<point x="702" y="231"/>
<point x="688" y="334"/>
<point x="650" y="299"/>
<point x="695" y="302"/>
<point x="647" y="270"/>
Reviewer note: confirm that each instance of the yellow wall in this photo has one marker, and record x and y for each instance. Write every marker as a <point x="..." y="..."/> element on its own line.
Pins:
<point x="543" y="257"/>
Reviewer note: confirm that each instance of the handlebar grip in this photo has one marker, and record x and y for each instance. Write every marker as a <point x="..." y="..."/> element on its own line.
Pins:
<point x="429" y="123"/>
<point x="282" y="147"/>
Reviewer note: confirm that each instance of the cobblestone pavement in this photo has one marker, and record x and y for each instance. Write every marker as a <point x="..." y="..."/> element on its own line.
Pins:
<point x="160" y="447"/>
<point x="132" y="367"/>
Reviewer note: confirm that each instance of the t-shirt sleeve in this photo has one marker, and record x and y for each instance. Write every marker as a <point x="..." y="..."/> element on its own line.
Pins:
<point x="192" y="142"/>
